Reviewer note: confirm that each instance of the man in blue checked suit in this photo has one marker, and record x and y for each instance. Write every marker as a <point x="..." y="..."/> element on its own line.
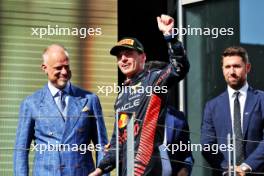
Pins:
<point x="240" y="111"/>
<point x="62" y="120"/>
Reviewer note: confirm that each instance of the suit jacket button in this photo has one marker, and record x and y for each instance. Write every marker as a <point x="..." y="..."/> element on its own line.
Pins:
<point x="80" y="130"/>
<point x="62" y="167"/>
<point x="50" y="133"/>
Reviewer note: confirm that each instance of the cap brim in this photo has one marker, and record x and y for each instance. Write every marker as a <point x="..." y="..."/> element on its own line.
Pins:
<point x="116" y="49"/>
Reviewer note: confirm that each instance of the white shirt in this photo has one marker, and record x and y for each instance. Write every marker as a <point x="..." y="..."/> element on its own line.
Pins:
<point x="242" y="100"/>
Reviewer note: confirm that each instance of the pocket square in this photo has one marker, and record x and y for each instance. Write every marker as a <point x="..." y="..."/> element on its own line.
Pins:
<point x="85" y="109"/>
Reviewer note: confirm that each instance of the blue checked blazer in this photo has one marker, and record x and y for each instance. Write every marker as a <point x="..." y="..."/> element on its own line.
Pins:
<point x="41" y="121"/>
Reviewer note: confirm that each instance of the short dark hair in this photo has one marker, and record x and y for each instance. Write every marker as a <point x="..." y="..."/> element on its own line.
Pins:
<point x="236" y="51"/>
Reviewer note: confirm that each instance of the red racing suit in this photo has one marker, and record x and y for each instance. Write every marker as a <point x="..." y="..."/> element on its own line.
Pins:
<point x="147" y="98"/>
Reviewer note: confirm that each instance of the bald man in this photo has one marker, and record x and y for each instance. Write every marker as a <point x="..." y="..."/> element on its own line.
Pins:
<point x="63" y="120"/>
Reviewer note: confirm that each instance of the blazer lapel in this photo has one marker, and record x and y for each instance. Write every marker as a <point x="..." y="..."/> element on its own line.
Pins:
<point x="74" y="109"/>
<point x="49" y="112"/>
<point x="224" y="103"/>
<point x="249" y="106"/>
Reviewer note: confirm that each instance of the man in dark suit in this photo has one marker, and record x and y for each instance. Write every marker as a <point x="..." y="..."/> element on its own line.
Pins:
<point x="62" y="119"/>
<point x="177" y="133"/>
<point x="240" y="111"/>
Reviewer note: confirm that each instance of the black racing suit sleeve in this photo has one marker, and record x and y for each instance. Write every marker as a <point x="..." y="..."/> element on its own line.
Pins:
<point x="108" y="163"/>
<point x="177" y="68"/>
<point x="173" y="73"/>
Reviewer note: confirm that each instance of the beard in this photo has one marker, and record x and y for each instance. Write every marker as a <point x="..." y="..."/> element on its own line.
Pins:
<point x="236" y="84"/>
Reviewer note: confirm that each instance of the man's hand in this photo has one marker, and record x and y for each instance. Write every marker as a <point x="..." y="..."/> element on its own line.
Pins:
<point x="239" y="171"/>
<point x="97" y="172"/>
<point x="183" y="172"/>
<point x="165" y="24"/>
<point x="107" y="147"/>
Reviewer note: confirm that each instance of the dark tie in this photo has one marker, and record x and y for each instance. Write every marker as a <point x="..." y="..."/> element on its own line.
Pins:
<point x="238" y="130"/>
<point x="61" y="100"/>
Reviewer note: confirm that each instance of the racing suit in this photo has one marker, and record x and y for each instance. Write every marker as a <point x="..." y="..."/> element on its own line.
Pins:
<point x="148" y="101"/>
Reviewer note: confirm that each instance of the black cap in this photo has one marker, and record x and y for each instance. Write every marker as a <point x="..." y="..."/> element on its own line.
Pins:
<point x="127" y="43"/>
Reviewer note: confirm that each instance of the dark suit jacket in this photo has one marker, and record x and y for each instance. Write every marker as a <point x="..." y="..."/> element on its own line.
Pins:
<point x="40" y="120"/>
<point x="216" y="125"/>
<point x="177" y="130"/>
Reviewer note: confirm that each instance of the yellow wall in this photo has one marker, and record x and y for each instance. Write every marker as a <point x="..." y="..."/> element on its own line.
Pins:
<point x="20" y="56"/>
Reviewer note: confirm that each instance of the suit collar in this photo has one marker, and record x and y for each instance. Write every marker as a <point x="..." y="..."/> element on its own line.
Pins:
<point x="55" y="90"/>
<point x="242" y="90"/>
<point x="48" y="109"/>
<point x="225" y="105"/>
<point x="249" y="106"/>
<point x="75" y="105"/>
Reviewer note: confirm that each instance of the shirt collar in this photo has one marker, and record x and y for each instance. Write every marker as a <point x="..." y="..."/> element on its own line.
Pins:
<point x="55" y="90"/>
<point x="136" y="77"/>
<point x="242" y="90"/>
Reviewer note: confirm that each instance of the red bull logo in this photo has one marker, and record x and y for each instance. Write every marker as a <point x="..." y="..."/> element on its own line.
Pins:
<point x="123" y="119"/>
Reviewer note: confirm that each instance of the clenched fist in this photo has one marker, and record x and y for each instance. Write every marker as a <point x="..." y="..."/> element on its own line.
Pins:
<point x="165" y="24"/>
